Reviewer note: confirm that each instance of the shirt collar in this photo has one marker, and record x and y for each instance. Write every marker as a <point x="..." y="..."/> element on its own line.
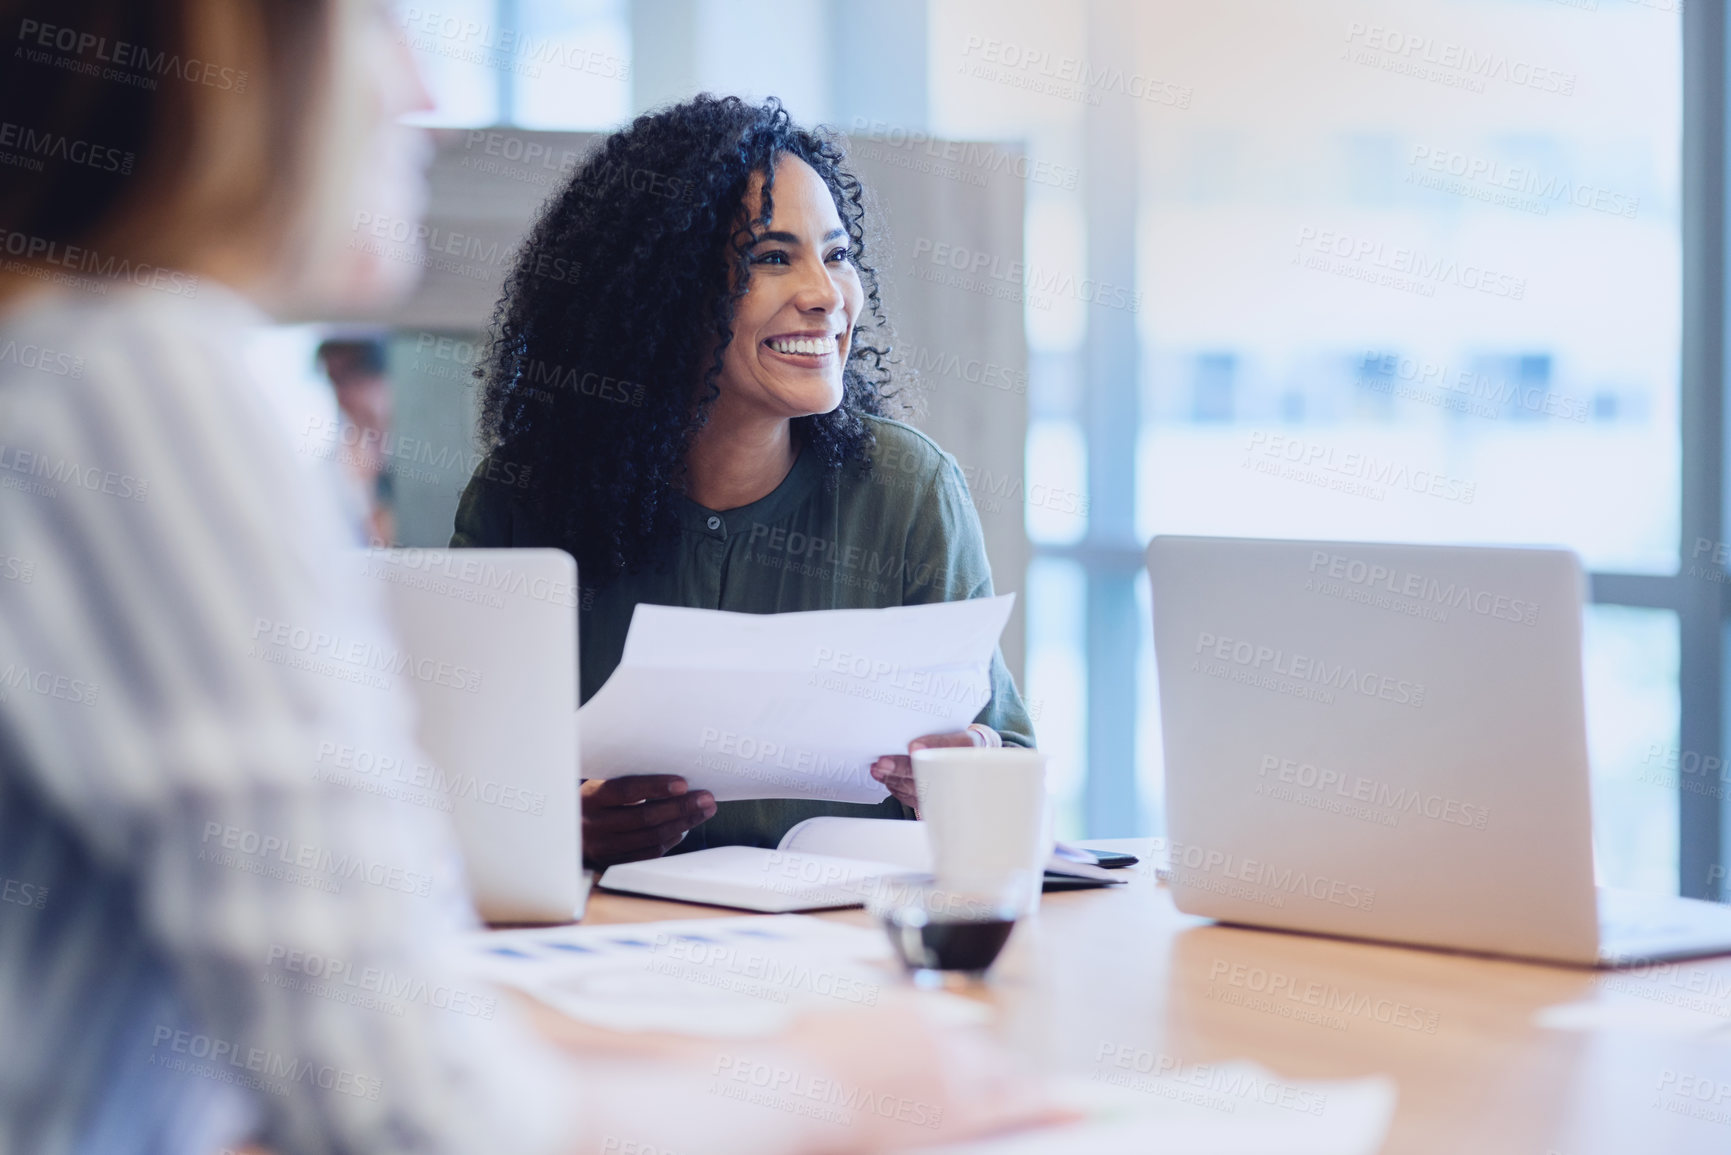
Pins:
<point x="777" y="503"/>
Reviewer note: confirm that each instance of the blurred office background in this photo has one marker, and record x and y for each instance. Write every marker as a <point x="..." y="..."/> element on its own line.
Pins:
<point x="1366" y="269"/>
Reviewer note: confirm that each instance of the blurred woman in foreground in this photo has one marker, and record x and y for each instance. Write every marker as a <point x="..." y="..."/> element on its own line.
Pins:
<point x="172" y="179"/>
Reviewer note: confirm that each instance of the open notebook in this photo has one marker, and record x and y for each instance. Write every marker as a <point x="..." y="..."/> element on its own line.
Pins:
<point x="820" y="864"/>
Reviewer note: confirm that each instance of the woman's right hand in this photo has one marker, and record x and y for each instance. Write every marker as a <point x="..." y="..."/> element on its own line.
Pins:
<point x="644" y="816"/>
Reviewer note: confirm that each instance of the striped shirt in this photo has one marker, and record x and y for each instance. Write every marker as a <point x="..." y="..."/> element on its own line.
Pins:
<point x="203" y="940"/>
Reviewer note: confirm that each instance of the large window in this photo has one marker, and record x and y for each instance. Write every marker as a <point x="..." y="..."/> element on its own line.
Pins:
<point x="1408" y="271"/>
<point x="1414" y="274"/>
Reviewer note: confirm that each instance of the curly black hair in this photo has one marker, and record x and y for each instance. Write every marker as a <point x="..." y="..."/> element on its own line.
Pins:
<point x="609" y="337"/>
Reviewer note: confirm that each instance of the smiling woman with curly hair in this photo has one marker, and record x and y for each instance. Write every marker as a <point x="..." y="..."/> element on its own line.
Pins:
<point x="687" y="389"/>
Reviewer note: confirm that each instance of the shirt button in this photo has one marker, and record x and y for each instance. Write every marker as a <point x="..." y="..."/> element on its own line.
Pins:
<point x="714" y="522"/>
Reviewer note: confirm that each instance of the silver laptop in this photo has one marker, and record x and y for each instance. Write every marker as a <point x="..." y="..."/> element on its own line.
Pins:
<point x="1389" y="742"/>
<point x="490" y="642"/>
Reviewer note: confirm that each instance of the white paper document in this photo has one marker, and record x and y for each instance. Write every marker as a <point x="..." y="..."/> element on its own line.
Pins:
<point x="1214" y="1109"/>
<point x="795" y="705"/>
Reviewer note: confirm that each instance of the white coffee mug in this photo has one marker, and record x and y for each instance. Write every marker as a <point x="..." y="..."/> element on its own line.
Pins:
<point x="986" y="813"/>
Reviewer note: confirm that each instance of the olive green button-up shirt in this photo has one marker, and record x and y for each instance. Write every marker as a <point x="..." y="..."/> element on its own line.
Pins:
<point x="905" y="534"/>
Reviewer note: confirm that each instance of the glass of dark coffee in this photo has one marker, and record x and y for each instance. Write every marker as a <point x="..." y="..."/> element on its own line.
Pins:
<point x="948" y="932"/>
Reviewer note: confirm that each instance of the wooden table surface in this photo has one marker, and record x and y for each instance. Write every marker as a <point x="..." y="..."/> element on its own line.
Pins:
<point x="1104" y="974"/>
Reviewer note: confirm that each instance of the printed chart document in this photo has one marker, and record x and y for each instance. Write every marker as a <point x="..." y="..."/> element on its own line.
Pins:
<point x="708" y="977"/>
<point x="792" y="705"/>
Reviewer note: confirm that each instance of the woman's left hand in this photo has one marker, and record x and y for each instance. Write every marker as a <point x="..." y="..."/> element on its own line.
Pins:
<point x="896" y="771"/>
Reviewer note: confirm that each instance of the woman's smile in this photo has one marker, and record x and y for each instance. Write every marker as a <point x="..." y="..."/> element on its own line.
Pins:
<point x="808" y="350"/>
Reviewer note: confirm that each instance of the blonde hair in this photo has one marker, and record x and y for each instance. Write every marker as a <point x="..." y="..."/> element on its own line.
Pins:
<point x="207" y="115"/>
